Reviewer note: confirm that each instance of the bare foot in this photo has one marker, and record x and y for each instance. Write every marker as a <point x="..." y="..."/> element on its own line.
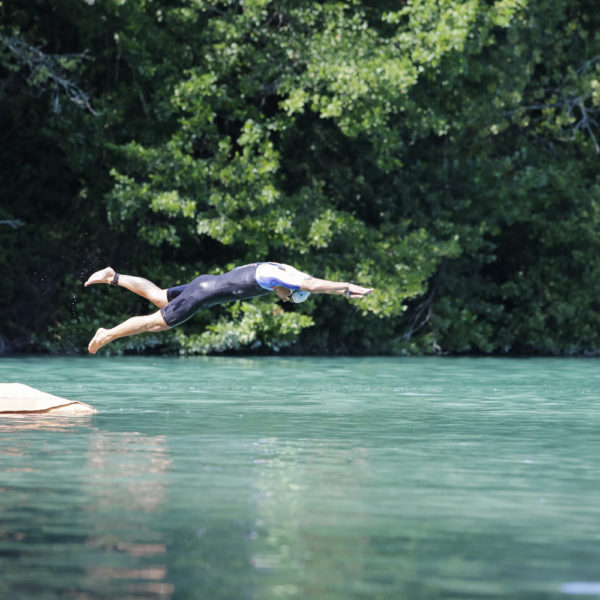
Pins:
<point x="99" y="340"/>
<point x="103" y="276"/>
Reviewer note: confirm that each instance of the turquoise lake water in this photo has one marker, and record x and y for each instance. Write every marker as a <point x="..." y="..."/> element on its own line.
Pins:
<point x="304" y="478"/>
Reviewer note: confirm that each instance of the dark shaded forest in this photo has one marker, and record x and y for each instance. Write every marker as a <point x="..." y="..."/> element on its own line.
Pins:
<point x="444" y="152"/>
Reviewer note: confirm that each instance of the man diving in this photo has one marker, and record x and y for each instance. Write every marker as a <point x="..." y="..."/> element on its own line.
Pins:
<point x="178" y="304"/>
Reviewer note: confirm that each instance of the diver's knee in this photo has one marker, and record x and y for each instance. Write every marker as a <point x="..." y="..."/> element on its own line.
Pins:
<point x="161" y="299"/>
<point x="156" y="322"/>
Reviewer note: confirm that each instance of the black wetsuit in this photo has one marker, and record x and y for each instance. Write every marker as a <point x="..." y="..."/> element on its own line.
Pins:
<point x="207" y="290"/>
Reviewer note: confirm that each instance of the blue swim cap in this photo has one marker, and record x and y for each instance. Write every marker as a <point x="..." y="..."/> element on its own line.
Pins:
<point x="299" y="296"/>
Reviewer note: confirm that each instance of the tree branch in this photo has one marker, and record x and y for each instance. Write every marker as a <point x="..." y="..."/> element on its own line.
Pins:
<point x="569" y="102"/>
<point x="45" y="68"/>
<point x="419" y="321"/>
<point x="14" y="223"/>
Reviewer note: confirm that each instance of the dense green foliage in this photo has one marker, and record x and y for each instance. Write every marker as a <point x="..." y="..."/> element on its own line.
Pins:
<point x="443" y="151"/>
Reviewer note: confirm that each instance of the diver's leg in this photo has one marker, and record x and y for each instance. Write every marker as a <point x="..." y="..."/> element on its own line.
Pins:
<point x="137" y="285"/>
<point x="153" y="322"/>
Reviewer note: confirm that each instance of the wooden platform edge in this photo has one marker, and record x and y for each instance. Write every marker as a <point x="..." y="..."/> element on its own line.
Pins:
<point x="21" y="399"/>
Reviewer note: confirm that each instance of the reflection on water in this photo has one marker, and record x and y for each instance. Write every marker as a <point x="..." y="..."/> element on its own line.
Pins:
<point x="14" y="423"/>
<point x="83" y="497"/>
<point x="128" y="470"/>
<point x="367" y="478"/>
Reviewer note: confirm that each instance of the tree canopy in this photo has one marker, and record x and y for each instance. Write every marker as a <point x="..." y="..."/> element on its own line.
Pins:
<point x="444" y="152"/>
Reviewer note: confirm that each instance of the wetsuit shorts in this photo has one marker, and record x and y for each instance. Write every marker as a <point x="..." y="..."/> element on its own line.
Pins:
<point x="248" y="281"/>
<point x="207" y="290"/>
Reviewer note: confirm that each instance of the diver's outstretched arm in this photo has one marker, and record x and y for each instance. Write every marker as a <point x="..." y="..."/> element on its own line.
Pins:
<point x="323" y="286"/>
